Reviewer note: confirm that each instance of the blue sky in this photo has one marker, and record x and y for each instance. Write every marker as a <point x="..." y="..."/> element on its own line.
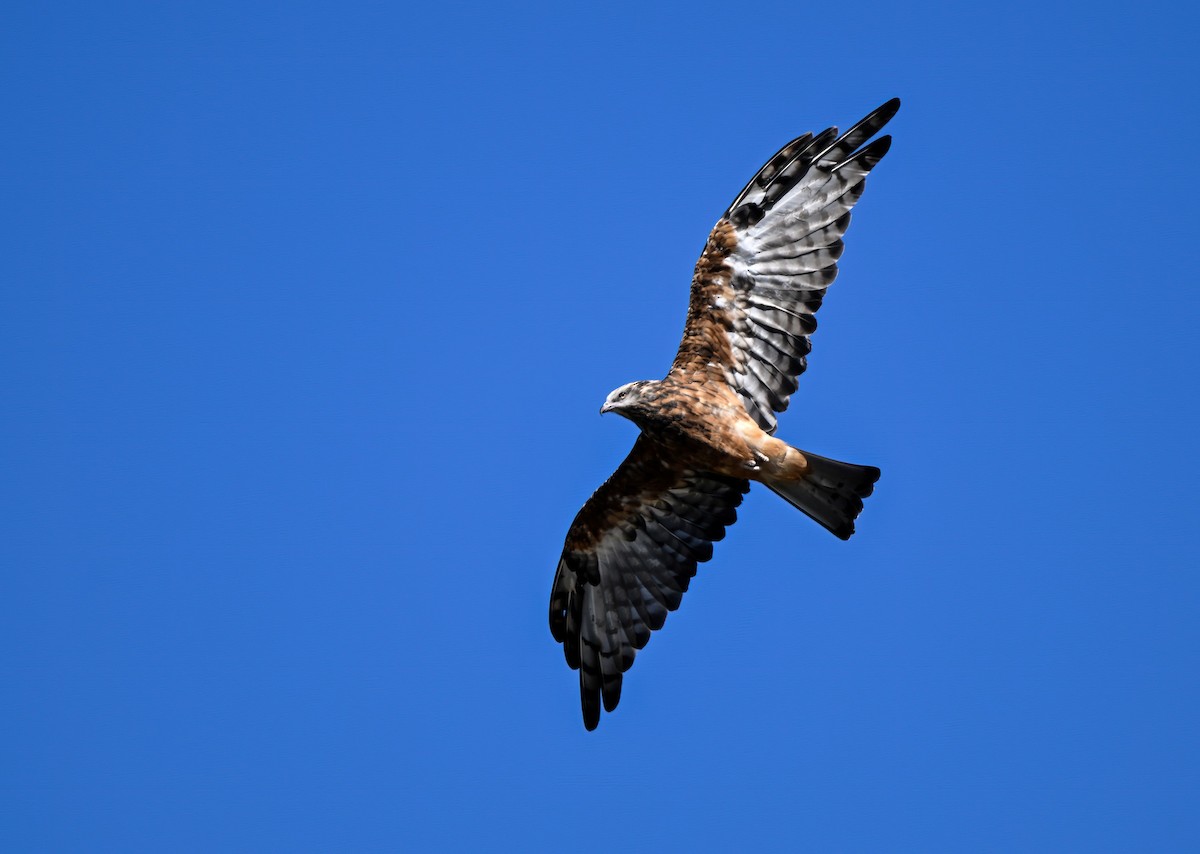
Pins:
<point x="307" y="312"/>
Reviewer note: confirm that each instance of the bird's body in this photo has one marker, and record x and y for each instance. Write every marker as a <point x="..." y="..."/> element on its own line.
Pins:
<point x="707" y="427"/>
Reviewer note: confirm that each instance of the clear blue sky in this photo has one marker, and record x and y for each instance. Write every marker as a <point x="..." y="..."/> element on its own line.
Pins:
<point x="307" y="313"/>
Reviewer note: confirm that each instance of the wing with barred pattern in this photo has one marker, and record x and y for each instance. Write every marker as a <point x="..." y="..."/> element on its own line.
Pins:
<point x="628" y="559"/>
<point x="769" y="260"/>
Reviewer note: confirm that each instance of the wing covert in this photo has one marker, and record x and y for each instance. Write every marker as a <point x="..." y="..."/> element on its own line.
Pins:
<point x="629" y="557"/>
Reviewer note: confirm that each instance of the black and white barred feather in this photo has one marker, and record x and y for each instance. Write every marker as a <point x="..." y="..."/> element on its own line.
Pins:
<point x="789" y="222"/>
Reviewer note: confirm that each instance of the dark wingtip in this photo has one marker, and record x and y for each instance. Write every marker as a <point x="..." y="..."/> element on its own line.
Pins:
<point x="611" y="695"/>
<point x="888" y="109"/>
<point x="591" y="710"/>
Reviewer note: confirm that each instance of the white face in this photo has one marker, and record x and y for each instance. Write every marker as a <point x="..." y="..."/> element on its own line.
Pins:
<point x="618" y="397"/>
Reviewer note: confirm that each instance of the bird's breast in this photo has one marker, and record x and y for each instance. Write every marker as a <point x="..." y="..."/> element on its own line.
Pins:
<point x="704" y="431"/>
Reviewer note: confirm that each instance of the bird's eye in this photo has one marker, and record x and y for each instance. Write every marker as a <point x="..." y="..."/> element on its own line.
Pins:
<point x="621" y="396"/>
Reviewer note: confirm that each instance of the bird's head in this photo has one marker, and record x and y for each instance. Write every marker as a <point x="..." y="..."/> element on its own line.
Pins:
<point x="628" y="399"/>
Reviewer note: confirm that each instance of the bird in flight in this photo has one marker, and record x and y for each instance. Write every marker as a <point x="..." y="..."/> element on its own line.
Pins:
<point x="707" y="427"/>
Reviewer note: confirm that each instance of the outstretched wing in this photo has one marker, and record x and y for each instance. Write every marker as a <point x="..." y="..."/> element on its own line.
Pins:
<point x="628" y="559"/>
<point x="767" y="264"/>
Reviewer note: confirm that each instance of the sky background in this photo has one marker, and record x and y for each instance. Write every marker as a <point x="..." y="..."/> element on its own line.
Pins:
<point x="307" y="312"/>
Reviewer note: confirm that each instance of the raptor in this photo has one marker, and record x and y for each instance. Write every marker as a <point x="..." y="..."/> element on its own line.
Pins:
<point x="707" y="427"/>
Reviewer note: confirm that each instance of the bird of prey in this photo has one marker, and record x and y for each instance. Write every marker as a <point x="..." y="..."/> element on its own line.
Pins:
<point x="707" y="427"/>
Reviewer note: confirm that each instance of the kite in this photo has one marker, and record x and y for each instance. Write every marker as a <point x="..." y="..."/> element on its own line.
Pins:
<point x="707" y="427"/>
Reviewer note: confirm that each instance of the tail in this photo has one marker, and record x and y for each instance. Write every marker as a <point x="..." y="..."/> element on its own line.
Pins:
<point x="831" y="492"/>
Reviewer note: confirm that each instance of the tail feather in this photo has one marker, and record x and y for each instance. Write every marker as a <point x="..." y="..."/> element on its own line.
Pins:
<point x="831" y="492"/>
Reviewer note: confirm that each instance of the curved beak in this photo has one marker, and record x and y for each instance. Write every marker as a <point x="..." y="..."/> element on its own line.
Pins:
<point x="605" y="408"/>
